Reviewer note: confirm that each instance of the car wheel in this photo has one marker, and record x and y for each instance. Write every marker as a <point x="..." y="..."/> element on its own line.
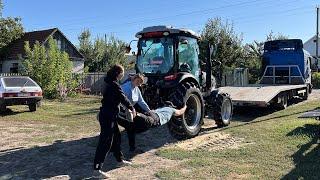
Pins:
<point x="32" y="107"/>
<point x="3" y="108"/>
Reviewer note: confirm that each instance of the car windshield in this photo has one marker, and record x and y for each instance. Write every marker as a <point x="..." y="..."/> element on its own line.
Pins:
<point x="155" y="55"/>
<point x="18" y="82"/>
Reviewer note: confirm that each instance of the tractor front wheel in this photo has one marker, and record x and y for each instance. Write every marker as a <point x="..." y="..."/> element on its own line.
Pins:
<point x="222" y="109"/>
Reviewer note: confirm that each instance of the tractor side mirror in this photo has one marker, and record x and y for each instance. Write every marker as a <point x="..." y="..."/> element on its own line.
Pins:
<point x="127" y="49"/>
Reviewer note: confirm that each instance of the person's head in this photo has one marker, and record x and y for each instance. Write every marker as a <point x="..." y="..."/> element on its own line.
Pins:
<point x="116" y="72"/>
<point x="137" y="80"/>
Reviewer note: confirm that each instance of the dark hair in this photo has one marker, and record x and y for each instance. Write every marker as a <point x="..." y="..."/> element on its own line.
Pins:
<point x="138" y="76"/>
<point x="114" y="72"/>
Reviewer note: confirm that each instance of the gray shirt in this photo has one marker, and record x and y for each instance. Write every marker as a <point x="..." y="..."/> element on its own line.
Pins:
<point x="164" y="114"/>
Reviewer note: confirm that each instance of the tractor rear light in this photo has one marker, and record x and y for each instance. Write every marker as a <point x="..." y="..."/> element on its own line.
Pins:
<point x="155" y="34"/>
<point x="170" y="77"/>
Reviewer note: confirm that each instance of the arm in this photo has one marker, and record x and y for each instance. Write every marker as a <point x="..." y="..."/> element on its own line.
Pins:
<point x="123" y="98"/>
<point x="142" y="103"/>
<point x="179" y="112"/>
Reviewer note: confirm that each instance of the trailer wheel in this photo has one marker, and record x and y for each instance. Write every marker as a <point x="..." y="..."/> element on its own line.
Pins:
<point x="222" y="109"/>
<point x="310" y="88"/>
<point x="283" y="104"/>
<point x="188" y="125"/>
<point x="306" y="94"/>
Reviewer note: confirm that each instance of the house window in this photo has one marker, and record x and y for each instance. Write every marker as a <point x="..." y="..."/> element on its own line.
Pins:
<point x="59" y="44"/>
<point x="14" y="68"/>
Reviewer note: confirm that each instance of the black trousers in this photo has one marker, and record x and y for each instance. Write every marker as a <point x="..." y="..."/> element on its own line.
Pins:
<point x="141" y="123"/>
<point x="109" y="139"/>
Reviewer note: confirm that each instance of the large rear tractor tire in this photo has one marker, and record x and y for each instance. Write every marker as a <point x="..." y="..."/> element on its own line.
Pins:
<point x="188" y="125"/>
<point x="222" y="109"/>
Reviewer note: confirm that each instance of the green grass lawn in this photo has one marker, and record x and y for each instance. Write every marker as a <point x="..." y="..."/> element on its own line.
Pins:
<point x="73" y="118"/>
<point x="280" y="146"/>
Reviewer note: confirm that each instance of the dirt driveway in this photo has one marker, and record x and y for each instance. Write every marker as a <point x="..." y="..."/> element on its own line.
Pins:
<point x="70" y="156"/>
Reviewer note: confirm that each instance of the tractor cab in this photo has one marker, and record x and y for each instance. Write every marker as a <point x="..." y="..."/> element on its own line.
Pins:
<point x="164" y="51"/>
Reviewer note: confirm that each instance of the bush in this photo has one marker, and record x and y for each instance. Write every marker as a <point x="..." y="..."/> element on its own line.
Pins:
<point x="316" y="80"/>
<point x="50" y="68"/>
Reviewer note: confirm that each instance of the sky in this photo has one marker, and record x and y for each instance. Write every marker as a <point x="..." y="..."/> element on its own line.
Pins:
<point x="253" y="19"/>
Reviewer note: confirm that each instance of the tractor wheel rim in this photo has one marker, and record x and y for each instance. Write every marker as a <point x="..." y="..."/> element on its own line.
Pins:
<point x="226" y="110"/>
<point x="193" y="113"/>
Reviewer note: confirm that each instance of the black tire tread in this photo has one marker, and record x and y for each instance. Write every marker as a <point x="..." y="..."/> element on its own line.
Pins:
<point x="176" y="125"/>
<point x="217" y="109"/>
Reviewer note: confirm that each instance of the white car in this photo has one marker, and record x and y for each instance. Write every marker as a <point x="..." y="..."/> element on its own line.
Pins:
<point x="19" y="90"/>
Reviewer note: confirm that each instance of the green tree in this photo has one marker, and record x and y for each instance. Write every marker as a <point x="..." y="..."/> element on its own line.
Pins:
<point x="10" y="29"/>
<point x="101" y="53"/>
<point x="86" y="48"/>
<point x="1" y="7"/>
<point x="50" y="67"/>
<point x="229" y="48"/>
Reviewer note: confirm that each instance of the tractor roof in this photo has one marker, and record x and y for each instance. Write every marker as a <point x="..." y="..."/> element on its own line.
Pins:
<point x="169" y="29"/>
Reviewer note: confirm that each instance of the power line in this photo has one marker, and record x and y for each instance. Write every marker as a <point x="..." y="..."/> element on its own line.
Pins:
<point x="237" y="20"/>
<point x="204" y="11"/>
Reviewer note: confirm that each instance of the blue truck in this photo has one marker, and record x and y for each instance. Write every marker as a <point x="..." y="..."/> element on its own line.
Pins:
<point x="286" y="75"/>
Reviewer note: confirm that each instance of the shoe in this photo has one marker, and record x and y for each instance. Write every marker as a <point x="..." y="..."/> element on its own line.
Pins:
<point x="100" y="174"/>
<point x="123" y="163"/>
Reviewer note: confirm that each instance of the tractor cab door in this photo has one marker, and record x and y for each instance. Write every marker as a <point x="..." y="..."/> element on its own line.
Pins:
<point x="188" y="53"/>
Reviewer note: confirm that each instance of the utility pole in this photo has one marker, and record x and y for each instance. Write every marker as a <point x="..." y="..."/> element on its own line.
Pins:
<point x="317" y="34"/>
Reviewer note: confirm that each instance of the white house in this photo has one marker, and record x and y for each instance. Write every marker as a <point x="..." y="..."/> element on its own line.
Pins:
<point x="10" y="62"/>
<point x="310" y="46"/>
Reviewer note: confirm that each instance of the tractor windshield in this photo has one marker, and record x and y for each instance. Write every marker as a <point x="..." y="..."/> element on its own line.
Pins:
<point x="155" y="55"/>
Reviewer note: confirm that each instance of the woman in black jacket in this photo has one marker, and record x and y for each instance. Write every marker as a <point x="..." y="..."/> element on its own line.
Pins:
<point x="110" y="138"/>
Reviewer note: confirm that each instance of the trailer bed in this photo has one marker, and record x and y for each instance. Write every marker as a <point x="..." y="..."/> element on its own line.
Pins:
<point x="257" y="94"/>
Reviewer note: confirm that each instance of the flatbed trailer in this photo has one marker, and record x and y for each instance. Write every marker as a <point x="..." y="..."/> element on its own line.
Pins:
<point x="263" y="95"/>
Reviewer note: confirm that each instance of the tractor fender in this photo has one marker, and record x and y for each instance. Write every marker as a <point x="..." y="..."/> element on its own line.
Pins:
<point x="186" y="77"/>
<point x="180" y="78"/>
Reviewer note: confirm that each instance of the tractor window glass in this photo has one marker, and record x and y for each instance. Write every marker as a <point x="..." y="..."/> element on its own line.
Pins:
<point x="155" y="55"/>
<point x="188" y="55"/>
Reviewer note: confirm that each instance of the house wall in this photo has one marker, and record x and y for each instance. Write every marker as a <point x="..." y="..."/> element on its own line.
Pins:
<point x="64" y="45"/>
<point x="310" y="46"/>
<point x="78" y="66"/>
<point x="7" y="64"/>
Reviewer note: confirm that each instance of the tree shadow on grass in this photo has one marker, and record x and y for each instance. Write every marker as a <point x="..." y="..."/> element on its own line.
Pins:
<point x="73" y="159"/>
<point x="307" y="158"/>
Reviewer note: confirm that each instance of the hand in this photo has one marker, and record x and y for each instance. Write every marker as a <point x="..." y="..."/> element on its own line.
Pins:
<point x="134" y="113"/>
